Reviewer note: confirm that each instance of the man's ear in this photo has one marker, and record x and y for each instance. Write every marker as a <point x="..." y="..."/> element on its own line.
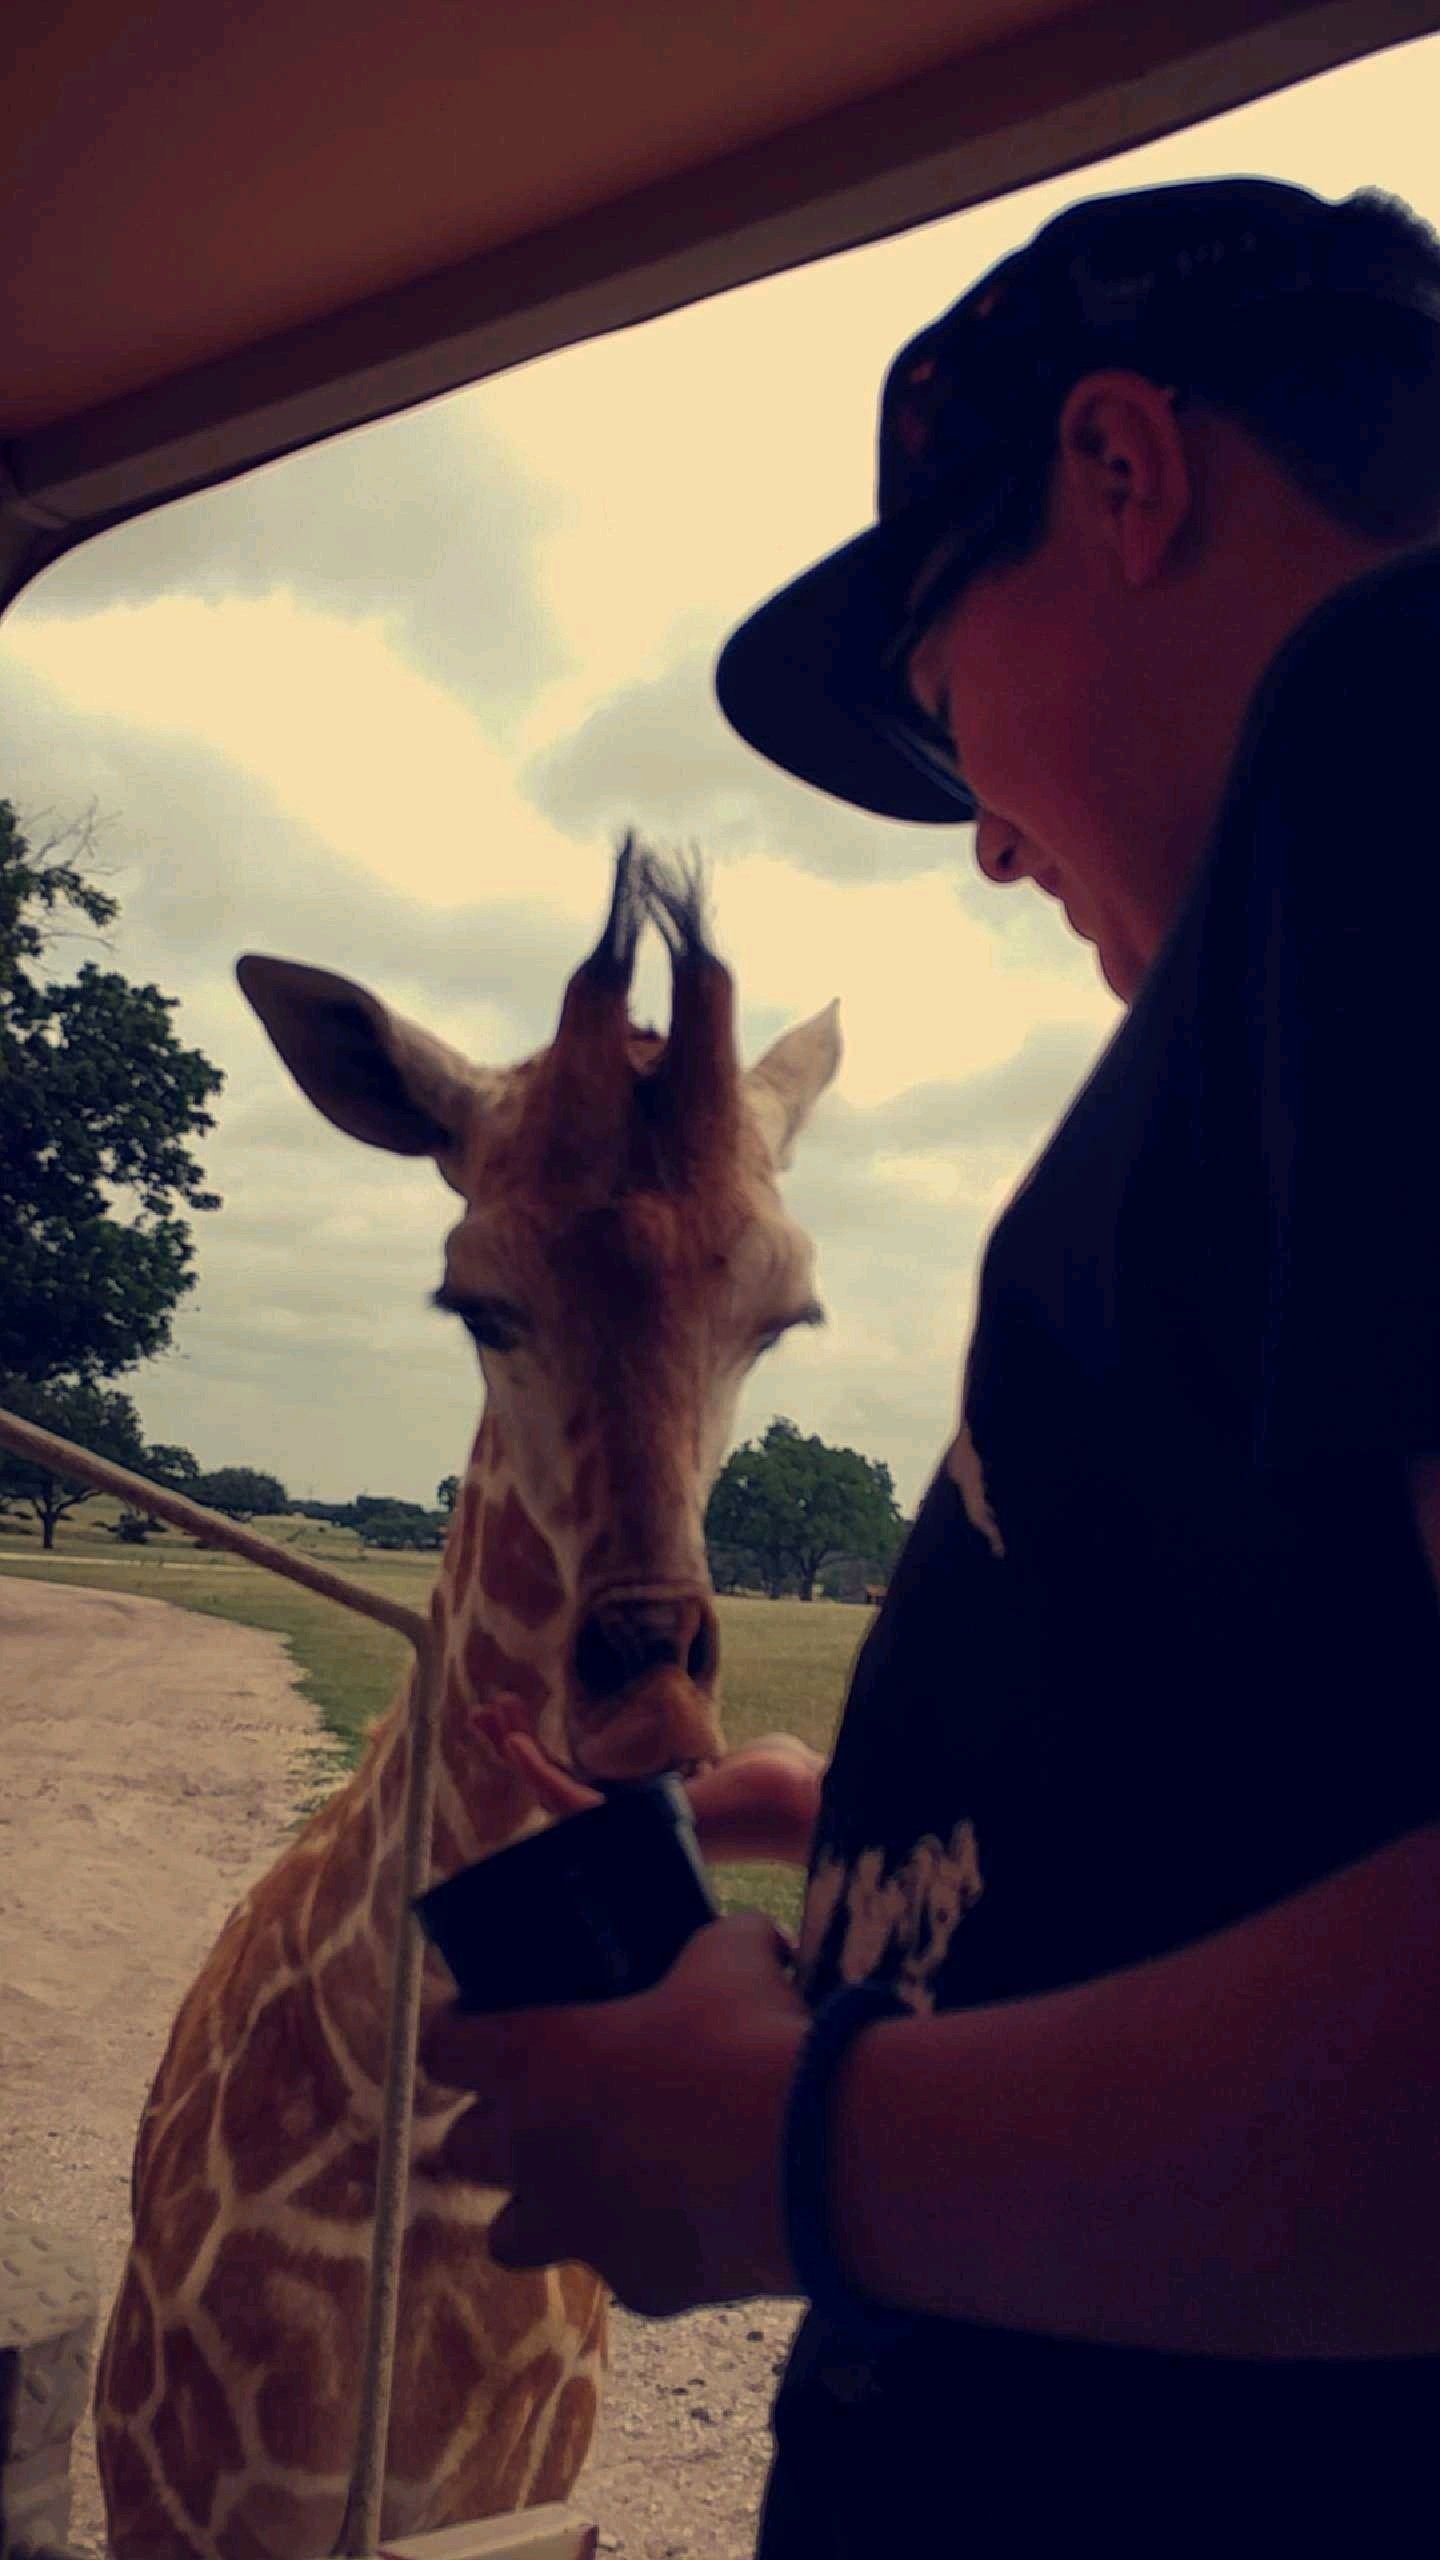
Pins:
<point x="375" y="1075"/>
<point x="784" y="1086"/>
<point x="1123" y="460"/>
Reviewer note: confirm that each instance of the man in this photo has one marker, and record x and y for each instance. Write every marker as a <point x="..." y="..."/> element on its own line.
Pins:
<point x="1109" y="2159"/>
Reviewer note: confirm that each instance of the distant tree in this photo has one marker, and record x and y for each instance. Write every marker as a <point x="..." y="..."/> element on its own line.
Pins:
<point x="242" y="1493"/>
<point x="447" y="1492"/>
<point x="177" y="1469"/>
<point x="100" y="1103"/>
<point x="730" y="1567"/>
<point x="96" y="1418"/>
<point x="165" y="1464"/>
<point x="382" y="1519"/>
<point x="403" y="1526"/>
<point x="857" y="1579"/>
<point x="792" y="1502"/>
<point x="136" y="1528"/>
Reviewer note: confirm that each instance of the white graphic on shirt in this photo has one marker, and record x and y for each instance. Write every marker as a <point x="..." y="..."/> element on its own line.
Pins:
<point x="963" y="1466"/>
<point x="913" y="1913"/>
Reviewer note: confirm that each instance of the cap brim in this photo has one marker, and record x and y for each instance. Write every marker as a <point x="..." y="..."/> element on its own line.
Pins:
<point x="805" y="681"/>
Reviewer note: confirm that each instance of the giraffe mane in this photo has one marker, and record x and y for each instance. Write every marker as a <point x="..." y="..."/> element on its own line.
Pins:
<point x="612" y="962"/>
<point x="675" y="893"/>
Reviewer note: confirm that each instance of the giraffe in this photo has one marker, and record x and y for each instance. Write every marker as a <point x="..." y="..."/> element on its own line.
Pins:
<point x="621" y="1258"/>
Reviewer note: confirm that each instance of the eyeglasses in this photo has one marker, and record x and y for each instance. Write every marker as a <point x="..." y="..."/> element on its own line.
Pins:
<point x="926" y="745"/>
<point x="902" y="722"/>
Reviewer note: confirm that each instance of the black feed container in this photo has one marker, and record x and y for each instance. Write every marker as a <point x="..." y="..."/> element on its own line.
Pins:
<point x="596" y="1907"/>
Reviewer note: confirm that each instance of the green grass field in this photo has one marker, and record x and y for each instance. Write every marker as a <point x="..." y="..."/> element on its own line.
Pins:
<point x="784" y="1662"/>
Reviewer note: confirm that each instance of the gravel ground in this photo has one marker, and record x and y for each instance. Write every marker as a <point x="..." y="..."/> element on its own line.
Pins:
<point x="153" y="1761"/>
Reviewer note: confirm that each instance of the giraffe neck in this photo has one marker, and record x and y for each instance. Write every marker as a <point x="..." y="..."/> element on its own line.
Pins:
<point x="498" y="1611"/>
<point x="500" y="1615"/>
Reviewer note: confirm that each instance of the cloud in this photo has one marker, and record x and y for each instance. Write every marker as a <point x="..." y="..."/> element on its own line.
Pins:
<point x="1012" y="1102"/>
<point x="426" y="522"/>
<point x="210" y="863"/>
<point x="660" y="752"/>
<point x="909" y="1184"/>
<point x="915" y="1180"/>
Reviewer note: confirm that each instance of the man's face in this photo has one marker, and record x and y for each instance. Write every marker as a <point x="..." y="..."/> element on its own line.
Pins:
<point x="1021" y="672"/>
<point x="1092" y="691"/>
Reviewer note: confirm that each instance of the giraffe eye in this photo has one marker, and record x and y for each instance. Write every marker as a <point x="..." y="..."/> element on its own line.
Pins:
<point x="812" y="1313"/>
<point x="493" y="1324"/>
<point x="495" y="1327"/>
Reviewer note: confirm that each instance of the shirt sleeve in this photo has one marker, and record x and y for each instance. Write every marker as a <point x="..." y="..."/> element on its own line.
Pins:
<point x="1338" y="792"/>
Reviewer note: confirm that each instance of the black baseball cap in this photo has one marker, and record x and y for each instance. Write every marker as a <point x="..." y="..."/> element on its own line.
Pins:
<point x="815" y="679"/>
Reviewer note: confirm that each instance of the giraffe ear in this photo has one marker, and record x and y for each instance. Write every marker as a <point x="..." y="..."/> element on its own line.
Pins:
<point x="784" y="1086"/>
<point x="375" y="1075"/>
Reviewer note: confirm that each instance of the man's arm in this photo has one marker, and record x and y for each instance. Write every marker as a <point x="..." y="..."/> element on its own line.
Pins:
<point x="1230" y="2151"/>
<point x="1234" y="2150"/>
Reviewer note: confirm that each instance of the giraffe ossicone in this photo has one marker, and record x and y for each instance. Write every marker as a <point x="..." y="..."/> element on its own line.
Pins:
<point x="621" y="1259"/>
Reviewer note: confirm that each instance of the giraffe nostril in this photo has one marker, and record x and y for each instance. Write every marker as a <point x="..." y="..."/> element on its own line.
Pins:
<point x="608" y="1656"/>
<point x="620" y="1640"/>
<point x="703" y="1659"/>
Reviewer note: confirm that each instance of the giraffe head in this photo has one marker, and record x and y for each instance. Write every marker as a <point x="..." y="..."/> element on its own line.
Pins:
<point x="622" y="1259"/>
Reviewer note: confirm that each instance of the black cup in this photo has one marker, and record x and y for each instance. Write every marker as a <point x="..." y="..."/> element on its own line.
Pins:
<point x="595" y="1908"/>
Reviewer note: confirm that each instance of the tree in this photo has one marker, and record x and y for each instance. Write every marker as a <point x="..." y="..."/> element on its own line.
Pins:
<point x="387" y="1520"/>
<point x="97" y="1418"/>
<point x="791" y="1503"/>
<point x="447" y="1492"/>
<point x="165" y="1464"/>
<point x="100" y="1101"/>
<point x="136" y="1528"/>
<point x="402" y="1525"/>
<point x="177" y="1469"/>
<point x="242" y="1493"/>
<point x="730" y="1567"/>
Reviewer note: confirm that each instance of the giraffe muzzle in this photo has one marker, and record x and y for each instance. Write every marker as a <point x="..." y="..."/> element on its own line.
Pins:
<point x="642" y="1691"/>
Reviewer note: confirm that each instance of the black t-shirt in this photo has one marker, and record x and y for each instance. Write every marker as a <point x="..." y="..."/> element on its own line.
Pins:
<point x="1163" y="1646"/>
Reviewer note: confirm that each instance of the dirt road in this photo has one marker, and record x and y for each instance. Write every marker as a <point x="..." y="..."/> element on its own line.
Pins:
<point x="152" y="1763"/>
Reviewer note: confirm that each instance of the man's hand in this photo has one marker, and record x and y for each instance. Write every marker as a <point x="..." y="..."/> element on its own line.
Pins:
<point x="760" y="1803"/>
<point x="641" y="2136"/>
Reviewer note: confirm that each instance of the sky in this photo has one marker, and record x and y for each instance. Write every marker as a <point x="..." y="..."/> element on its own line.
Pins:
<point x="385" y="706"/>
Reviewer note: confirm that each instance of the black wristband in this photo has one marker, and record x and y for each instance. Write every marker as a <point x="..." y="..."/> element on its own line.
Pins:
<point x="805" y="2166"/>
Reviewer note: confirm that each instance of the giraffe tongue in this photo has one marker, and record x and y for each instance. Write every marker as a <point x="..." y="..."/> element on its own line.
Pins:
<point x="662" y="1721"/>
<point x="552" y="1782"/>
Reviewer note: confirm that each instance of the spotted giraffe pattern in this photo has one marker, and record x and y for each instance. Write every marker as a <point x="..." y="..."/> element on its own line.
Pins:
<point x="255" y="2167"/>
